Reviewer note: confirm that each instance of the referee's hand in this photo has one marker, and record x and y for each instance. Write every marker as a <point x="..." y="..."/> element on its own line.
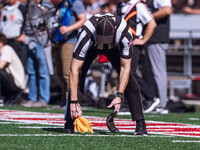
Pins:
<point x="116" y="103"/>
<point x="75" y="110"/>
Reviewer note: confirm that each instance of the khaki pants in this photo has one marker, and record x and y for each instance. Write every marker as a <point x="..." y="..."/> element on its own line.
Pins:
<point x="63" y="57"/>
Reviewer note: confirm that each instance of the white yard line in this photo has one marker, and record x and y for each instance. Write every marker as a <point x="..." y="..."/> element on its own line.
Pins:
<point x="193" y="118"/>
<point x="29" y="127"/>
<point x="182" y="141"/>
<point x="14" y="123"/>
<point x="133" y="136"/>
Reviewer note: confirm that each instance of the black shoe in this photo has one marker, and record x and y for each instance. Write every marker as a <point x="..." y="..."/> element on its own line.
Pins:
<point x="110" y="123"/>
<point x="151" y="105"/>
<point x="140" y="128"/>
<point x="69" y="128"/>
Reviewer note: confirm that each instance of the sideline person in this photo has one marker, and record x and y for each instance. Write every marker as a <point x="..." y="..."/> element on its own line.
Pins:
<point x="12" y="74"/>
<point x="110" y="35"/>
<point x="72" y="16"/>
<point x="155" y="68"/>
<point x="39" y="59"/>
<point x="137" y="15"/>
<point x="12" y="21"/>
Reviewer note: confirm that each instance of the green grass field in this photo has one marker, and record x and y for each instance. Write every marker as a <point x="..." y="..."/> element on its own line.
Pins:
<point x="17" y="135"/>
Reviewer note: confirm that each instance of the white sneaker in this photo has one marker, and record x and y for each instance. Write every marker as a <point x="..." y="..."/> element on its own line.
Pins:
<point x="151" y="105"/>
<point x="162" y="111"/>
<point x="1" y="102"/>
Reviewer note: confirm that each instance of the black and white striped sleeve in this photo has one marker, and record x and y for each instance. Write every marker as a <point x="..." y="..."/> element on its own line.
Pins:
<point x="124" y="38"/>
<point x="85" y="40"/>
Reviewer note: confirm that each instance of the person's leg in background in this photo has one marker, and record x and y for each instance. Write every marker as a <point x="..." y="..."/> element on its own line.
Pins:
<point x="39" y="78"/>
<point x="63" y="57"/>
<point x="157" y="56"/>
<point x="43" y="76"/>
<point x="145" y="90"/>
<point x="31" y="70"/>
<point x="58" y="72"/>
<point x="66" y="58"/>
<point x="147" y="74"/>
<point x="48" y="54"/>
<point x="150" y="100"/>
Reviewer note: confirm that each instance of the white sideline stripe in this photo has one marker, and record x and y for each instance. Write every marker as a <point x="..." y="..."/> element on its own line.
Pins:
<point x="182" y="132"/>
<point x="173" y="133"/>
<point x="185" y="141"/>
<point x="133" y="136"/>
<point x="29" y="127"/>
<point x="152" y="116"/>
<point x="37" y="116"/>
<point x="14" y="123"/>
<point x="172" y="127"/>
<point x="34" y="122"/>
<point x="33" y="127"/>
<point x="124" y="113"/>
<point x="193" y="118"/>
<point x="156" y="127"/>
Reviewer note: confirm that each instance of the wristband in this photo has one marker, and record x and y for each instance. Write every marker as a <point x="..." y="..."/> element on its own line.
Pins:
<point x="120" y="95"/>
<point x="74" y="102"/>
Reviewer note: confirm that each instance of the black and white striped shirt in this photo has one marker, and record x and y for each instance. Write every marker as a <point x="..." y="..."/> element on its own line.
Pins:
<point x="87" y="39"/>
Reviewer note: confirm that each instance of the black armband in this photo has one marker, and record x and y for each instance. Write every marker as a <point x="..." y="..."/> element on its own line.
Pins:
<point x="74" y="102"/>
<point x="120" y="95"/>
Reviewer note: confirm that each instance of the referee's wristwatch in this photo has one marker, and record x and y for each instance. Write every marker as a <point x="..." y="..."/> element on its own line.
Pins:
<point x="120" y="95"/>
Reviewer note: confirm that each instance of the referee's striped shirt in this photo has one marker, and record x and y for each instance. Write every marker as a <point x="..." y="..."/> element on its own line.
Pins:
<point x="87" y="39"/>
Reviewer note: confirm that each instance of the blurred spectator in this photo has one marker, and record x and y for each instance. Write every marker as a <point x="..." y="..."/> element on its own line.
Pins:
<point x="192" y="9"/>
<point x="39" y="60"/>
<point x="12" y="74"/>
<point x="12" y="23"/>
<point x="178" y="5"/>
<point x="24" y="1"/>
<point x="92" y="7"/>
<point x="1" y="7"/>
<point x="71" y="18"/>
<point x="156" y="51"/>
<point x="110" y="6"/>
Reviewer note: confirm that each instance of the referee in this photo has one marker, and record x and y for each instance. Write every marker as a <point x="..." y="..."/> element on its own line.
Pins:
<point x="109" y="35"/>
